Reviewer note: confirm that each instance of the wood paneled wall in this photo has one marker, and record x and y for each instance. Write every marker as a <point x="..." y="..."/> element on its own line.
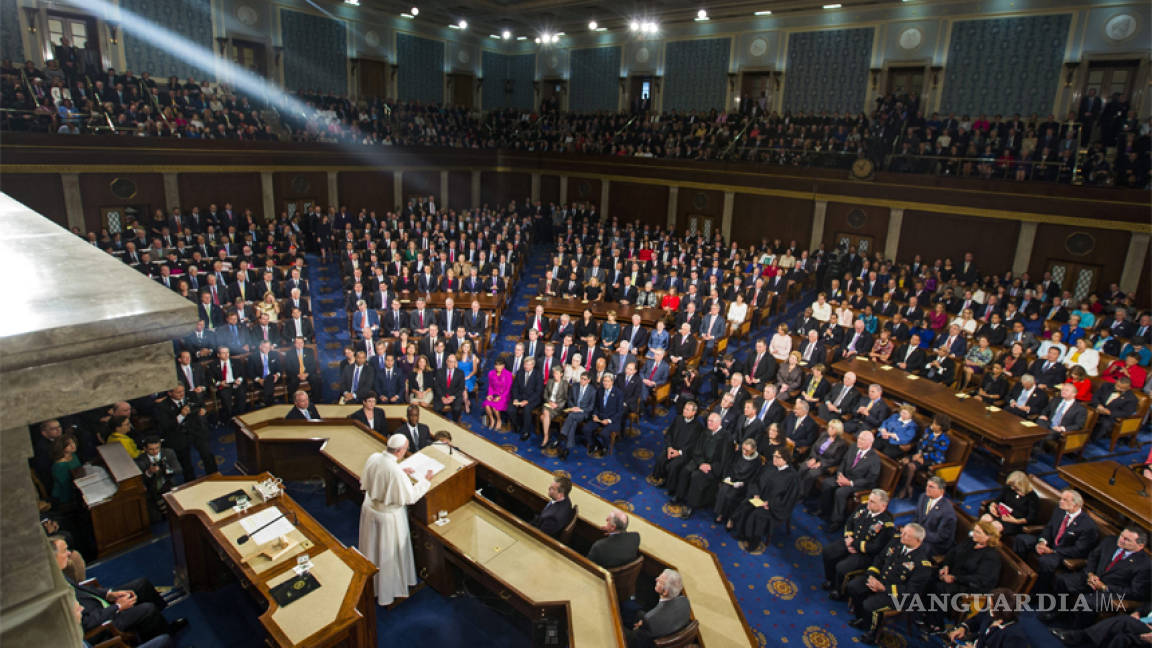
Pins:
<point x="1111" y="248"/>
<point x="42" y="192"/>
<point x="939" y="236"/>
<point x="203" y="189"/>
<point x="498" y="189"/>
<point x="299" y="185"/>
<point x="96" y="192"/>
<point x="758" y="217"/>
<point x="631" y="201"/>
<point x="702" y="203"/>
<point x="584" y="190"/>
<point x="419" y="183"/>
<point x="845" y="218"/>
<point x="549" y="189"/>
<point x="371" y="190"/>
<point x="459" y="189"/>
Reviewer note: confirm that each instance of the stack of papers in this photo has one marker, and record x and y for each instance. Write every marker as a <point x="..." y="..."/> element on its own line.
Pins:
<point x="280" y="527"/>
<point x="420" y="464"/>
<point x="96" y="485"/>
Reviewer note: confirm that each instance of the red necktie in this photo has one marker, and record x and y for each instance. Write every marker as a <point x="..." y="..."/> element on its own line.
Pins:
<point x="224" y="372"/>
<point x="756" y="364"/>
<point x="654" y="368"/>
<point x="449" y="377"/>
<point x="215" y="297"/>
<point x="547" y="367"/>
<point x="1115" y="559"/>
<point x="589" y="367"/>
<point x="421" y="319"/>
<point x="1060" y="533"/>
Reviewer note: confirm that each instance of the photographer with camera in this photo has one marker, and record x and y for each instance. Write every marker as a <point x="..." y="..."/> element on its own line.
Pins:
<point x="161" y="468"/>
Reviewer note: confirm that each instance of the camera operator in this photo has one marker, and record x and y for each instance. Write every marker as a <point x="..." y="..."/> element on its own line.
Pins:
<point x="160" y="467"/>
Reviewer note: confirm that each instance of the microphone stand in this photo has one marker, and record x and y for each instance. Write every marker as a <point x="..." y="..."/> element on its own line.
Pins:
<point x="1112" y="479"/>
<point x="248" y="536"/>
<point x="1139" y="470"/>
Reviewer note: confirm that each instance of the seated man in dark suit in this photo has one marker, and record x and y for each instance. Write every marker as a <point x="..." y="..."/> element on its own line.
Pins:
<point x="910" y="357"/>
<point x="448" y="389"/>
<point x="1048" y="371"/>
<point x="302" y="408"/>
<point x="1070" y="533"/>
<point x="356" y="379"/>
<point x="300" y="367"/>
<point x="558" y="512"/>
<point x="871" y="413"/>
<point x="1113" y="403"/>
<point x="858" y="471"/>
<point x="136" y="607"/>
<point x="526" y="395"/>
<point x="811" y="350"/>
<point x="390" y="381"/>
<point x="419" y="436"/>
<point x="606" y="419"/>
<point x="936" y="514"/>
<point x="670" y="615"/>
<point x="1064" y="414"/>
<point x="1026" y="399"/>
<point x="370" y="416"/>
<point x="619" y="547"/>
<point x="840" y="401"/>
<point x="1117" y="567"/>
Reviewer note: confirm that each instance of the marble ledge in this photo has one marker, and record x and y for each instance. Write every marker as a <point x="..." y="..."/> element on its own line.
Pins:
<point x="66" y="299"/>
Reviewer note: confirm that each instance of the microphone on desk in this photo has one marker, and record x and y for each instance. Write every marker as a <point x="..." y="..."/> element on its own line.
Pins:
<point x="248" y="536"/>
<point x="451" y="447"/>
<point x="1112" y="479"/>
<point x="1139" y="470"/>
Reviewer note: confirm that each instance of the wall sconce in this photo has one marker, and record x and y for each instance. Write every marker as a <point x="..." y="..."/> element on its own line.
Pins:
<point x="223" y="42"/>
<point x="876" y="72"/>
<point x="278" y="52"/>
<point x="113" y="33"/>
<point x="31" y="14"/>
<point x="732" y="77"/>
<point x="937" y="70"/>
<point x="1070" y="68"/>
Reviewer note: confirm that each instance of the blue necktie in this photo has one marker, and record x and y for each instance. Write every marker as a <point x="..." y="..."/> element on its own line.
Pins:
<point x="606" y="398"/>
<point x="355" y="379"/>
<point x="1059" y="413"/>
<point x="265" y="358"/>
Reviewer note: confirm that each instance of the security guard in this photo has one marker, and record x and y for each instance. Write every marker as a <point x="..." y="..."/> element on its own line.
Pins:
<point x="866" y="533"/>
<point x="904" y="567"/>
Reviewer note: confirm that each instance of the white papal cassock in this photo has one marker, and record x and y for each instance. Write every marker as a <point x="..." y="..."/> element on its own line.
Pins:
<point x="384" y="535"/>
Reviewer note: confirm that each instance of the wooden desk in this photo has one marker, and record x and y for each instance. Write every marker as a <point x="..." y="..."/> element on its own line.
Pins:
<point x="714" y="604"/>
<point x="341" y="613"/>
<point x="1122" y="499"/>
<point x="599" y="308"/>
<point x="1005" y="435"/>
<point x="122" y="520"/>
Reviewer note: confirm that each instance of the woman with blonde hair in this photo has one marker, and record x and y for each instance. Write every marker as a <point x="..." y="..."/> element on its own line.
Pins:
<point x="269" y="306"/>
<point x="1015" y="507"/>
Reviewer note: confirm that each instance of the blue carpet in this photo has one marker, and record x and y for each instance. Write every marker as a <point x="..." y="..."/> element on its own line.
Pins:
<point x="777" y="589"/>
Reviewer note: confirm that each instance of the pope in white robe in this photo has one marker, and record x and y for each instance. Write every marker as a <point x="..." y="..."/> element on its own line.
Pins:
<point x="384" y="535"/>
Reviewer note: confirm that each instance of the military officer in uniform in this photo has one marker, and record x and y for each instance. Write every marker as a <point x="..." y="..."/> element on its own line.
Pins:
<point x="904" y="567"/>
<point x="867" y="532"/>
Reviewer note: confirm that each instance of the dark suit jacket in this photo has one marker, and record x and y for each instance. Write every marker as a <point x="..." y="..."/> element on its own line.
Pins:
<point x="441" y="388"/>
<point x="817" y="355"/>
<point x="388" y="388"/>
<point x="803" y="434"/>
<point x="94" y="612"/>
<point x="422" y="431"/>
<point x="939" y="524"/>
<point x="379" y="421"/>
<point x="555" y="515"/>
<point x="1036" y="402"/>
<point x="616" y="549"/>
<point x="765" y="370"/>
<point x="256" y="367"/>
<point x="667" y="617"/>
<point x="533" y="391"/>
<point x="775" y="413"/>
<point x="1128" y="577"/>
<point x="1054" y="376"/>
<point x="1079" y="537"/>
<point x="288" y="330"/>
<point x="863" y="345"/>
<point x="1122" y="407"/>
<point x="1074" y="416"/>
<point x="681" y="349"/>
<point x="200" y="380"/>
<point x="866" y="471"/>
<point x="848" y="403"/>
<point x="641" y="338"/>
<point x="613" y="410"/>
<point x="367" y="378"/>
<point x="832" y="455"/>
<point x="295" y="414"/>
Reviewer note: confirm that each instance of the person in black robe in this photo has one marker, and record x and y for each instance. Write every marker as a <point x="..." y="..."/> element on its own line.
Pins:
<point x="779" y="488"/>
<point x="741" y="472"/>
<point x="696" y="484"/>
<point x="679" y="442"/>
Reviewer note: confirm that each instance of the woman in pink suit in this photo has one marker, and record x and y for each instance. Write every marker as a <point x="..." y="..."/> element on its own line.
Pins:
<point x="499" y="386"/>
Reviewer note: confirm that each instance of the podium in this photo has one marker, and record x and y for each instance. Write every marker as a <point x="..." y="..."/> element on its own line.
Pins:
<point x="451" y="488"/>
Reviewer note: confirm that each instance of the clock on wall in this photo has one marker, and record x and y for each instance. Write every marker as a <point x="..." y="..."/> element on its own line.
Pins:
<point x="758" y="47"/>
<point x="863" y="169"/>
<point x="911" y="38"/>
<point x="247" y="15"/>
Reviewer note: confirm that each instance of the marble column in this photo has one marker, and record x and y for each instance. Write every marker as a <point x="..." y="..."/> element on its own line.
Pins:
<point x="535" y="194"/>
<point x="443" y="190"/>
<point x="673" y="197"/>
<point x="726" y="215"/>
<point x="118" y="332"/>
<point x="1135" y="263"/>
<point x="475" y="189"/>
<point x="74" y="201"/>
<point x="268" y="195"/>
<point x="563" y="189"/>
<point x="819" y="212"/>
<point x="895" y="224"/>
<point x="171" y="191"/>
<point x="1024" y="244"/>
<point x="333" y="190"/>
<point x="605" y="190"/>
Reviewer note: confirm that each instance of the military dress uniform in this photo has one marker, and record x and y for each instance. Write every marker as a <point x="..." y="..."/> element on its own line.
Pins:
<point x="901" y="572"/>
<point x="869" y="534"/>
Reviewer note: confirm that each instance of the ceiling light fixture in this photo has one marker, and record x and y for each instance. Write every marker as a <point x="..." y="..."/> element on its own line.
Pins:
<point x="506" y="34"/>
<point x="415" y="11"/>
<point x="833" y="6"/>
<point x="649" y="28"/>
<point x="520" y="38"/>
<point x="354" y="3"/>
<point x="762" y="13"/>
<point x="493" y="36"/>
<point x="634" y="26"/>
<point x="407" y="15"/>
<point x="701" y="15"/>
<point x="592" y="25"/>
<point x="463" y="24"/>
<point x="537" y="40"/>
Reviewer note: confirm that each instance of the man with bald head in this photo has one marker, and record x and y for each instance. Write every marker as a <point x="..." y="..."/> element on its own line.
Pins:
<point x="620" y="546"/>
<point x="858" y="471"/>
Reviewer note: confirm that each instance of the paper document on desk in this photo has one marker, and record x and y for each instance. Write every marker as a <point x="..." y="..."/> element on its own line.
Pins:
<point x="1028" y="424"/>
<point x="96" y="485"/>
<point x="280" y="527"/>
<point x="421" y="464"/>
